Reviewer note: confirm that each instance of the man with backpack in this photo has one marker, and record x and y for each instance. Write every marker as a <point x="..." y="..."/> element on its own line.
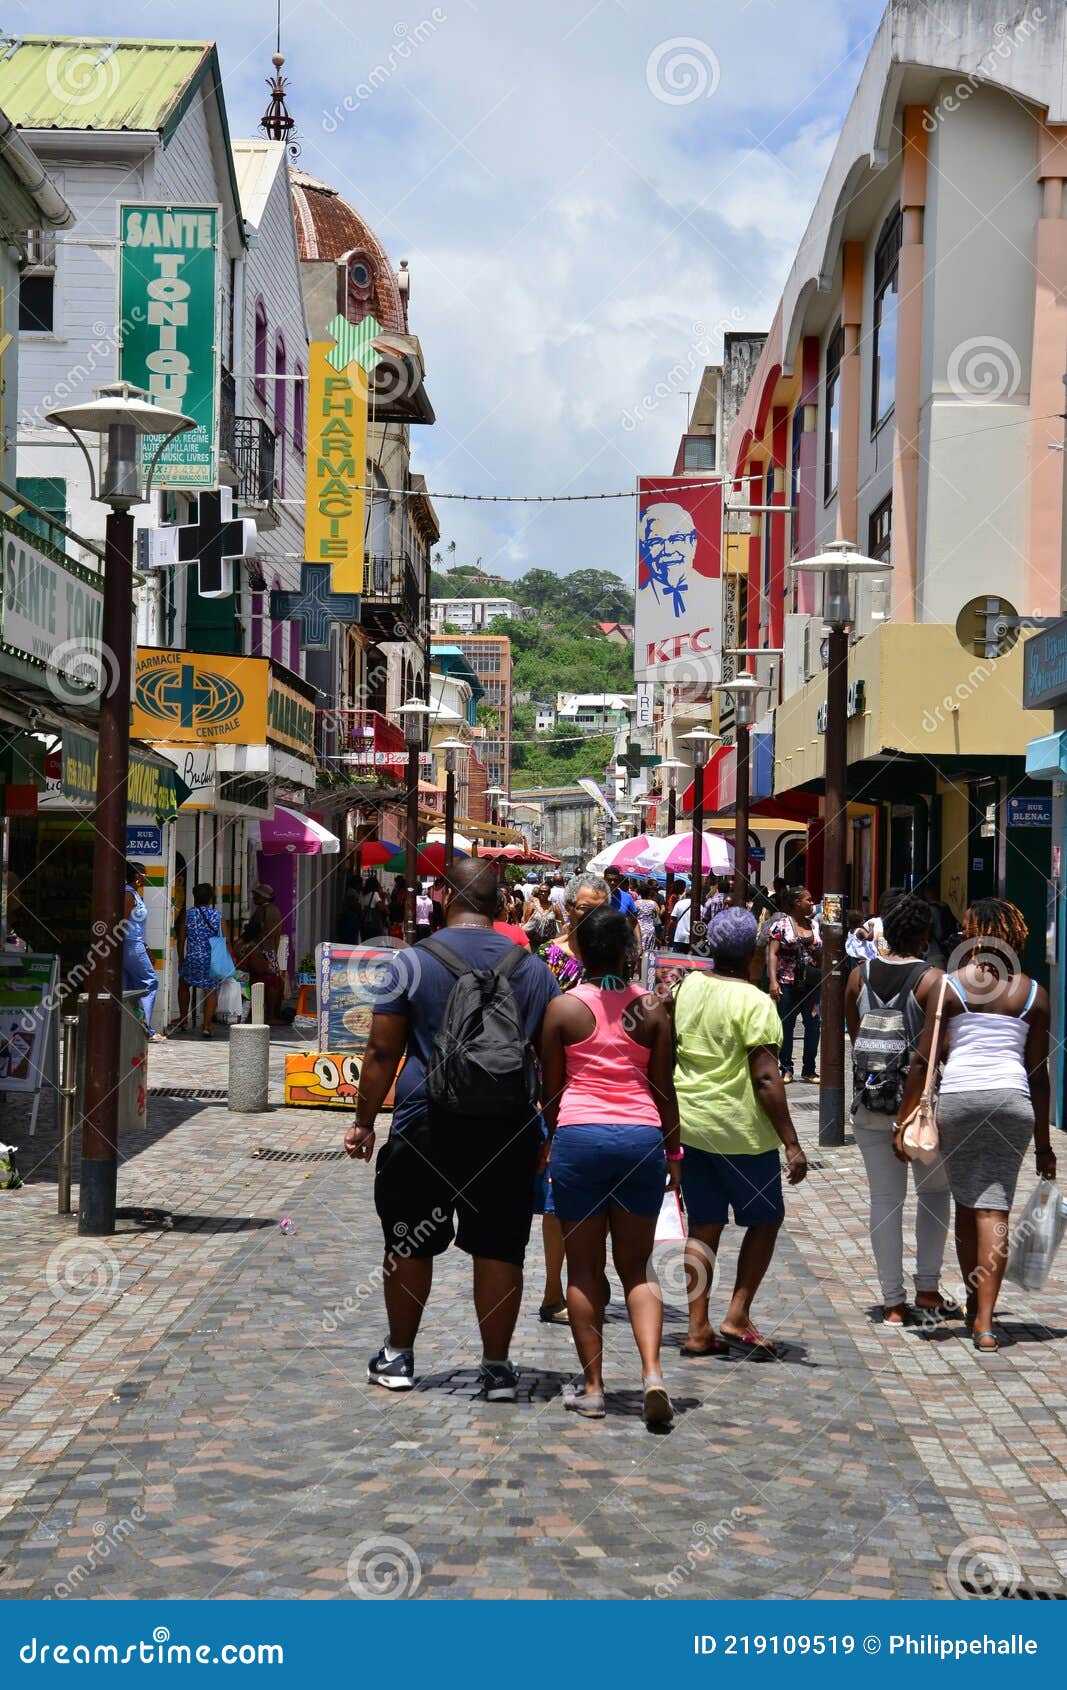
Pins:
<point x="464" y="1010"/>
<point x="885" y="1008"/>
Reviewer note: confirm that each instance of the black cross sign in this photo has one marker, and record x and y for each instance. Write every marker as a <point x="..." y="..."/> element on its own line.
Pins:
<point x="213" y="540"/>
<point x="314" y="606"/>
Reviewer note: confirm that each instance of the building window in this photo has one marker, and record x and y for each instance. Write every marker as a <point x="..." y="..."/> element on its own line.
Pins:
<point x="699" y="451"/>
<point x="299" y="408"/>
<point x="259" y="353"/>
<point x="280" y="412"/>
<point x="37" y="283"/>
<point x="835" y="347"/>
<point x="797" y="435"/>
<point x="880" y="530"/>
<point x="49" y="493"/>
<point x="379" y="513"/>
<point x="886" y="299"/>
<point x="768" y="495"/>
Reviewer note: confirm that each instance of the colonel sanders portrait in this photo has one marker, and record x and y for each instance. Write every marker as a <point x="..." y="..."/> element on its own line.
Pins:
<point x="667" y="545"/>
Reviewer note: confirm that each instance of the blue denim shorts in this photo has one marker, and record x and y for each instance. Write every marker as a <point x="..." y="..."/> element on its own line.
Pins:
<point x="751" y="1186"/>
<point x="598" y="1166"/>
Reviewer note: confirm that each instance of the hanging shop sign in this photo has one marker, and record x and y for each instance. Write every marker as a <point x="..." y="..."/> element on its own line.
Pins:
<point x="169" y="301"/>
<point x="678" y="624"/>
<point x="290" y="717"/>
<point x="1045" y="668"/>
<point x="152" y="789"/>
<point x="335" y="503"/>
<point x="199" y="698"/>
<point x="52" y="612"/>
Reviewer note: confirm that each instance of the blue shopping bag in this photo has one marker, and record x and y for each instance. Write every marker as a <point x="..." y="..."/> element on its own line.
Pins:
<point x="221" y="964"/>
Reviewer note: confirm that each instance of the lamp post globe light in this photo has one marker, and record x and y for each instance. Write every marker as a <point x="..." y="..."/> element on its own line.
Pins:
<point x="494" y="794"/>
<point x="700" y="739"/>
<point x="120" y="414"/>
<point x="840" y="564"/>
<point x="450" y="747"/>
<point x="744" y="690"/>
<point x="413" y="713"/>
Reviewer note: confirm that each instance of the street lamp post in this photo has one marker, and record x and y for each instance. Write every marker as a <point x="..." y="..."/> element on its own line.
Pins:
<point x="450" y="747"/>
<point x="839" y="564"/>
<point x="120" y="413"/>
<point x="412" y="711"/>
<point x="743" y="689"/>
<point x="700" y="739"/>
<point x="494" y="794"/>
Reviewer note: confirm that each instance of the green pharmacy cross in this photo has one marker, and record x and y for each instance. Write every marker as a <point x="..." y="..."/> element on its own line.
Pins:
<point x="314" y="606"/>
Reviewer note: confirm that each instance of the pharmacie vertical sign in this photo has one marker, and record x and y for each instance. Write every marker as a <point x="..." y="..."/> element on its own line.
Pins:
<point x="169" y="300"/>
<point x="336" y="468"/>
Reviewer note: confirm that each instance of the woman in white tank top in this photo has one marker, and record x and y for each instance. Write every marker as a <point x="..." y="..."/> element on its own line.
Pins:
<point x="994" y="1095"/>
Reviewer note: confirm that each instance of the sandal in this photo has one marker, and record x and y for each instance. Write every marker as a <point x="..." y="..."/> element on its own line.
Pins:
<point x="753" y="1345"/>
<point x="657" y="1404"/>
<point x="589" y="1404"/>
<point x="554" y="1314"/>
<point x="715" y="1348"/>
<point x="985" y="1349"/>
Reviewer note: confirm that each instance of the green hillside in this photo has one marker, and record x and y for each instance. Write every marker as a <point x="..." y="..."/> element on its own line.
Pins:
<point x="559" y="649"/>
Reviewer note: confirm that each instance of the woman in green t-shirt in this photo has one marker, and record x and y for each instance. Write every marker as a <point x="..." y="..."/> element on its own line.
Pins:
<point x="734" y="1120"/>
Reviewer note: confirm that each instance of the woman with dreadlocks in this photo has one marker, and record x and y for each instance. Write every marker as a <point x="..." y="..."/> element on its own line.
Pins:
<point x="994" y="1095"/>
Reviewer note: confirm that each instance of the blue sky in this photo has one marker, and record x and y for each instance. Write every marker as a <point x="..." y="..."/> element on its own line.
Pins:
<point x="586" y="193"/>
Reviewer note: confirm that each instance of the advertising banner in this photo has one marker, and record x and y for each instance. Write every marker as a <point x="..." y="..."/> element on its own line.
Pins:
<point x="678" y="625"/>
<point x="151" y="788"/>
<point x="169" y="299"/>
<point x="336" y="468"/>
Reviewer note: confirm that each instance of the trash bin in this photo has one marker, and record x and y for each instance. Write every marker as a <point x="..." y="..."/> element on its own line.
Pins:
<point x="133" y="1063"/>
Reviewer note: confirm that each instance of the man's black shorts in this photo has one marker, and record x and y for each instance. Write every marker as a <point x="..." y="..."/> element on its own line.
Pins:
<point x="434" y="1183"/>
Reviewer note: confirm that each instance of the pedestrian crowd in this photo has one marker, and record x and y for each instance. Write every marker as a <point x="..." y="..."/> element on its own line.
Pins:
<point x="543" y="1064"/>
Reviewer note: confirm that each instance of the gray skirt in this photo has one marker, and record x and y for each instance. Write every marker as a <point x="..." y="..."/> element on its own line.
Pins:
<point x="984" y="1137"/>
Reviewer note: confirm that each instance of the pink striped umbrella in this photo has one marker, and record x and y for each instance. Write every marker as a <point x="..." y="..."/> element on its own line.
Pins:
<point x="623" y="855"/>
<point x="674" y="855"/>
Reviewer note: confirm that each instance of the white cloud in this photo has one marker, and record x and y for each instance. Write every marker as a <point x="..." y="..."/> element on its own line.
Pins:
<point x="565" y="228"/>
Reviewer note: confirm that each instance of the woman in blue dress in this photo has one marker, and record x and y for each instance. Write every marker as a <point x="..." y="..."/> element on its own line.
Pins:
<point x="196" y="929"/>
<point x="138" y="969"/>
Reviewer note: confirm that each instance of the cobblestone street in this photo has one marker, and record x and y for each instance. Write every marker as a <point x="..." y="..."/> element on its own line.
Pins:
<point x="194" y="1420"/>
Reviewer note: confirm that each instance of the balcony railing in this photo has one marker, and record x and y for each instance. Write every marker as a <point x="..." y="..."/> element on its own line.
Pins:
<point x="360" y="739"/>
<point x="392" y="585"/>
<point x="253" y="455"/>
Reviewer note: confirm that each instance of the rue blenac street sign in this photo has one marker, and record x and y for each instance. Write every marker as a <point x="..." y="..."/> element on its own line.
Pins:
<point x="336" y="468"/>
<point x="168" y="314"/>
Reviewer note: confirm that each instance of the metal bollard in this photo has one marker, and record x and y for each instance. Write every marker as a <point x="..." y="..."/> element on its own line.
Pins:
<point x="67" y="1092"/>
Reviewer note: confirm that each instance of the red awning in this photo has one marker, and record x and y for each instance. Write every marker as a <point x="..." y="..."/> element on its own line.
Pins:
<point x="788" y="806"/>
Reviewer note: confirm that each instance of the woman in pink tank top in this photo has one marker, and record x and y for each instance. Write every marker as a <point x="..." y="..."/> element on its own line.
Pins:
<point x="608" y="1087"/>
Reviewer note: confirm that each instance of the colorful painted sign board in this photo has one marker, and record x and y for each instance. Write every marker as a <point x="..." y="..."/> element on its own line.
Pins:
<point x="335" y="503"/>
<point x="51" y="611"/>
<point x="169" y="302"/>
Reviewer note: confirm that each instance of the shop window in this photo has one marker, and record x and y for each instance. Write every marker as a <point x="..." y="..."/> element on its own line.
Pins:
<point x="832" y="413"/>
<point x="886" y="300"/>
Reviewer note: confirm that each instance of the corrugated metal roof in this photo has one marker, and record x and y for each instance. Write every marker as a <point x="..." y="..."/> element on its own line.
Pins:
<point x="86" y="82"/>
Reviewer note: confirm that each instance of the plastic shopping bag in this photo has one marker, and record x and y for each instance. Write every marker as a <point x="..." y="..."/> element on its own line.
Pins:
<point x="221" y="962"/>
<point x="1036" y="1236"/>
<point x="230" y="1008"/>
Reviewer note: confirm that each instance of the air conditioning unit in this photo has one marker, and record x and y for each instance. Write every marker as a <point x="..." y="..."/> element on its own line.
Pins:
<point x="156" y="547"/>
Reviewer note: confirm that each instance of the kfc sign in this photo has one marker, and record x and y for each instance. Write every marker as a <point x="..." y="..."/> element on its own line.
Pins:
<point x="678" y="635"/>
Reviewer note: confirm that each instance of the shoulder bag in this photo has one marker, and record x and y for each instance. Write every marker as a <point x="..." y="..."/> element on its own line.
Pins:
<point x="919" y="1139"/>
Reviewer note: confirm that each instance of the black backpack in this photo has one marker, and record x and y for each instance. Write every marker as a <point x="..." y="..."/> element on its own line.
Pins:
<point x="888" y="1033"/>
<point x="482" y="1065"/>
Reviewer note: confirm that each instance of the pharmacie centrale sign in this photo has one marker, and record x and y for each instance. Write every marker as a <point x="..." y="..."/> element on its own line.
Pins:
<point x="206" y="698"/>
<point x="52" y="610"/>
<point x="168" y="311"/>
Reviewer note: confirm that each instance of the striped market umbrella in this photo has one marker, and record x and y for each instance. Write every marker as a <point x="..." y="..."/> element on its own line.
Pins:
<point x="674" y="855"/>
<point x="623" y="855"/>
